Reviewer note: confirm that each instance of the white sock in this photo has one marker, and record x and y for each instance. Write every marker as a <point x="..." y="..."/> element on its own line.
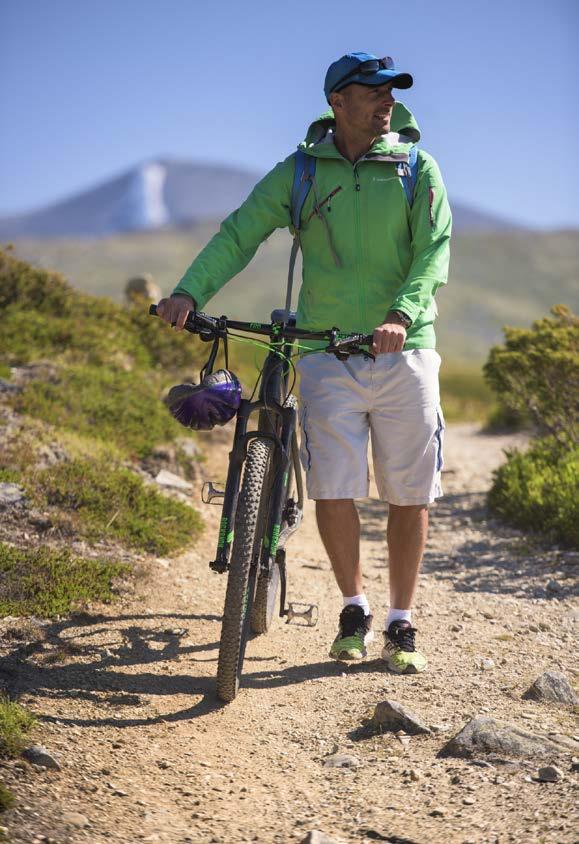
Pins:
<point x="358" y="601"/>
<point x="397" y="615"/>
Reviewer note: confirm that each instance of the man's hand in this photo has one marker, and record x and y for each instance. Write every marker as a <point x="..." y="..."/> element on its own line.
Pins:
<point x="176" y="309"/>
<point x="390" y="336"/>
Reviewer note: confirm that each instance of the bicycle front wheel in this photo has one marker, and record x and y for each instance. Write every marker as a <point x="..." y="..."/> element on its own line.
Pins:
<point x="250" y="524"/>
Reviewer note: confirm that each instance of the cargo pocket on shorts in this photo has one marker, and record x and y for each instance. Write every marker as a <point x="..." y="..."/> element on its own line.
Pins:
<point x="440" y="427"/>
<point x="305" y="455"/>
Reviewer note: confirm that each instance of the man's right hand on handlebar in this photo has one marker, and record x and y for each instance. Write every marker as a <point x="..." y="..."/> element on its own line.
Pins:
<point x="176" y="309"/>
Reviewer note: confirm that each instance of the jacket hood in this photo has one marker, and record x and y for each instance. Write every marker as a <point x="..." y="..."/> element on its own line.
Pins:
<point x="404" y="133"/>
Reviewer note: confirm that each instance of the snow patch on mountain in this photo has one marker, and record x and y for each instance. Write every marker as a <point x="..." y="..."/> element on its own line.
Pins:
<point x="143" y="205"/>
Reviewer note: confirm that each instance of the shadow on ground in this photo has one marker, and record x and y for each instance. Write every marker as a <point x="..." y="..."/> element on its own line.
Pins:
<point x="95" y="673"/>
<point x="493" y="558"/>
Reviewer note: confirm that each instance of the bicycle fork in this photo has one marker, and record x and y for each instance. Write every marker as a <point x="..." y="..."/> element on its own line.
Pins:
<point x="285" y="451"/>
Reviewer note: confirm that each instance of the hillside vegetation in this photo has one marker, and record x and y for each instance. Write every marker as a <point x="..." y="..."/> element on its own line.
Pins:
<point x="83" y="434"/>
<point x="536" y="375"/>
<point x="495" y="279"/>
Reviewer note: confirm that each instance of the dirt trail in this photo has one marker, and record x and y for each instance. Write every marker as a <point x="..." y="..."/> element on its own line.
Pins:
<point x="149" y="755"/>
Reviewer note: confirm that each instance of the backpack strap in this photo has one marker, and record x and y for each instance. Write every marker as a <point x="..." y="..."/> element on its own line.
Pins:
<point x="305" y="167"/>
<point x="409" y="174"/>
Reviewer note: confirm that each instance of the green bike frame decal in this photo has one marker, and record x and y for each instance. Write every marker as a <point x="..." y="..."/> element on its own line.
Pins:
<point x="223" y="536"/>
<point x="229" y="537"/>
<point x="274" y="539"/>
<point x="255" y="325"/>
<point x="265" y="542"/>
<point x="285" y="477"/>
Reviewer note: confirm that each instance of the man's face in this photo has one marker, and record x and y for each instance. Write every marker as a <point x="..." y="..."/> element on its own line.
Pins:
<point x="365" y="108"/>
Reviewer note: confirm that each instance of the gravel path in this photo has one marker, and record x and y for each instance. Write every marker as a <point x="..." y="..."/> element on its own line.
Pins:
<point x="147" y="754"/>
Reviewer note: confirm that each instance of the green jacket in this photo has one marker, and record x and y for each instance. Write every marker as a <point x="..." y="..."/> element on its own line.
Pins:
<point x="365" y="251"/>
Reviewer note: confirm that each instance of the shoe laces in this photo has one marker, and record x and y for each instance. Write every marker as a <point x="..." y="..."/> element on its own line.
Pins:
<point x="402" y="634"/>
<point x="352" y="619"/>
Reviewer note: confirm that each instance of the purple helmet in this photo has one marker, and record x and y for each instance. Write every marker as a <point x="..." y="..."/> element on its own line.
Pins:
<point x="212" y="402"/>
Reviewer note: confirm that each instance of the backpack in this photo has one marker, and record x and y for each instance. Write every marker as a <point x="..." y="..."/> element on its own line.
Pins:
<point x="305" y="168"/>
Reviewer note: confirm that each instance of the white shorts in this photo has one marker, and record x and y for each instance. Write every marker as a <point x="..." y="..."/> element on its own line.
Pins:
<point x="396" y="398"/>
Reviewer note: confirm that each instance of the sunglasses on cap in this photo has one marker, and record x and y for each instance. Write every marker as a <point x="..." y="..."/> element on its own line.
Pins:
<point x="369" y="67"/>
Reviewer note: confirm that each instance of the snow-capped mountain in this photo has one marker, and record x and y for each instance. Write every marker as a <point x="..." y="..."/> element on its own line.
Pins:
<point x="163" y="193"/>
<point x="155" y="194"/>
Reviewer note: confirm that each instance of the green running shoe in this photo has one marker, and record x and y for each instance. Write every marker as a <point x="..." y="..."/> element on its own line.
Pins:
<point x="399" y="650"/>
<point x="354" y="633"/>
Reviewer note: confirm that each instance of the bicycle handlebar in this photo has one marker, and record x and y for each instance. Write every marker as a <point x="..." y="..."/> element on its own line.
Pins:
<point x="200" y="323"/>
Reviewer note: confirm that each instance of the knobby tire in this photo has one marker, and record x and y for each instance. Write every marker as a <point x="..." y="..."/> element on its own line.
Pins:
<point x="250" y="524"/>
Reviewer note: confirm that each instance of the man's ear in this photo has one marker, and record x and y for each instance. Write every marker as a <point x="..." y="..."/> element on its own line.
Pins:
<point x="336" y="101"/>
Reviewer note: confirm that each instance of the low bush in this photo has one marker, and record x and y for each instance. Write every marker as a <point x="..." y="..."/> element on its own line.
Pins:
<point x="15" y="723"/>
<point x="44" y="317"/>
<point x="536" y="376"/>
<point x="539" y="490"/>
<point x="100" y="501"/>
<point x="48" y="582"/>
<point x="107" y="404"/>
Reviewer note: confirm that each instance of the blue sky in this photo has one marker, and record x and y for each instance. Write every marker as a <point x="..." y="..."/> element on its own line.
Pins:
<point x="90" y="88"/>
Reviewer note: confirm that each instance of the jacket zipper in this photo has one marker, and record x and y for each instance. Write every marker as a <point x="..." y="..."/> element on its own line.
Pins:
<point x="361" y="297"/>
<point x="320" y="205"/>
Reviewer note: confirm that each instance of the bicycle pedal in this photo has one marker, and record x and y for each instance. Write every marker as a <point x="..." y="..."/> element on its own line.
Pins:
<point x="209" y="492"/>
<point x="309" y="612"/>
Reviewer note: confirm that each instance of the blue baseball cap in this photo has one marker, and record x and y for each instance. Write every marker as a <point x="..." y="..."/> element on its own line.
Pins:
<point x="365" y="69"/>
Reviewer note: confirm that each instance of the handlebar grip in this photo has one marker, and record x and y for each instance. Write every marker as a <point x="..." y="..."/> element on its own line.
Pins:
<point x="152" y="310"/>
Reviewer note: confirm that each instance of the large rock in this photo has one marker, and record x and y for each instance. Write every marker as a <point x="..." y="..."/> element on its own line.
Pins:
<point x="391" y="715"/>
<point x="552" y="686"/>
<point x="488" y="736"/>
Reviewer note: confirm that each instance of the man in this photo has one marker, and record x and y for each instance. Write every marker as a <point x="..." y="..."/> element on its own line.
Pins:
<point x="372" y="262"/>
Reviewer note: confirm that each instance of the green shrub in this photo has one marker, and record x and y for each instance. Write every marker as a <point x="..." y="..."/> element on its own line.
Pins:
<point x="48" y="582"/>
<point x="44" y="317"/>
<point x="103" y="501"/>
<point x="105" y="403"/>
<point x="33" y="288"/>
<point x="536" y="374"/>
<point x="539" y="490"/>
<point x="15" y="722"/>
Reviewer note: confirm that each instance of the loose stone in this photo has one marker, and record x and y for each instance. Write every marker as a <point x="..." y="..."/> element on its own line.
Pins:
<point x="393" y="716"/>
<point x="341" y="760"/>
<point x="550" y="773"/>
<point x="39" y="755"/>
<point x="552" y="686"/>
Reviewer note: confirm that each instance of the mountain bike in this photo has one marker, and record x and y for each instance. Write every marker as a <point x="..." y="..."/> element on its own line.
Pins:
<point x="263" y="497"/>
